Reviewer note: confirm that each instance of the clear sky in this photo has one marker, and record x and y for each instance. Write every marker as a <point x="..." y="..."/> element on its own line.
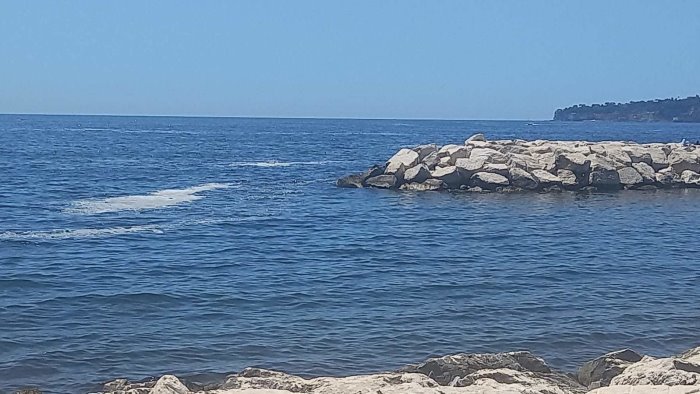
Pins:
<point x="462" y="59"/>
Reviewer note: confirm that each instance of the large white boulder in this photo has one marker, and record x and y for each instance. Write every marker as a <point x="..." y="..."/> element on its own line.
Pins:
<point x="681" y="160"/>
<point x="169" y="384"/>
<point x="576" y="162"/>
<point x="419" y="173"/>
<point x="646" y="171"/>
<point x="523" y="179"/>
<point x="405" y="158"/>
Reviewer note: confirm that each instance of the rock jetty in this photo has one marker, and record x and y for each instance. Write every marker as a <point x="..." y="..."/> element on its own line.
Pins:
<point x="541" y="165"/>
<point x="620" y="372"/>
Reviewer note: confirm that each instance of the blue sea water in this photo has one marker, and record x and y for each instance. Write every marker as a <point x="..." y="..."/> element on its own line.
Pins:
<point x="137" y="246"/>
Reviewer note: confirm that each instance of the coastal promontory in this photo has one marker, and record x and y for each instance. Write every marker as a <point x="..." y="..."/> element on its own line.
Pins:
<point x="480" y="165"/>
<point x="665" y="110"/>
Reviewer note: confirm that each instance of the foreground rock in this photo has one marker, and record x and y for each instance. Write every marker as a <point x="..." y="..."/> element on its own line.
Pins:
<point x="514" y="373"/>
<point x="507" y="165"/>
<point x="620" y="372"/>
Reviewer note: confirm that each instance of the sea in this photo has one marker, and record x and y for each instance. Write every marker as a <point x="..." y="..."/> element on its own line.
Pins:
<point x="138" y="246"/>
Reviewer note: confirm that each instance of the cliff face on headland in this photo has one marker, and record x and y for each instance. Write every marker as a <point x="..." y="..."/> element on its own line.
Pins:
<point x="667" y="110"/>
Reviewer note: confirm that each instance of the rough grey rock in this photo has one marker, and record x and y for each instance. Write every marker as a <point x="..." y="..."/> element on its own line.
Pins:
<point x="417" y="174"/>
<point x="488" y="180"/>
<point x="667" y="177"/>
<point x="638" y="154"/>
<point x="427" y="185"/>
<point x="646" y="171"/>
<point x="603" y="173"/>
<point x="383" y="181"/>
<point x="452" y="176"/>
<point x="681" y="160"/>
<point x="568" y="179"/>
<point x="659" y="157"/>
<point x="575" y="162"/>
<point x="169" y="384"/>
<point x="472" y="164"/>
<point x="523" y="179"/>
<point x="619" y="157"/>
<point x="489" y="155"/>
<point x="668" y="371"/>
<point x="476" y="137"/>
<point x="405" y="158"/>
<point x="646" y="389"/>
<point x="546" y="179"/>
<point x="602" y="370"/>
<point x="447" y="368"/>
<point x="431" y="160"/>
<point x="497" y="168"/>
<point x="425" y="150"/>
<point x="629" y="177"/>
<point x="450" y="153"/>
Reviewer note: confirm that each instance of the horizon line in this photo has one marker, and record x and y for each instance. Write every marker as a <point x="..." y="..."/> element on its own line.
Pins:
<point x="265" y="117"/>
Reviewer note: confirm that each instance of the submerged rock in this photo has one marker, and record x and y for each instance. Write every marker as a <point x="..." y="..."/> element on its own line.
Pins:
<point x="358" y="180"/>
<point x="383" y="181"/>
<point x="427" y="185"/>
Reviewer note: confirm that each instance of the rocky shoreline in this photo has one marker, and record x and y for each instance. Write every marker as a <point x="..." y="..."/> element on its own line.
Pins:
<point x="480" y="165"/>
<point x="620" y="372"/>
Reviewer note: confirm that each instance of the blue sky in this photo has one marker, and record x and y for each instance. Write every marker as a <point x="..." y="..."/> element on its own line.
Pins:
<point x="495" y="59"/>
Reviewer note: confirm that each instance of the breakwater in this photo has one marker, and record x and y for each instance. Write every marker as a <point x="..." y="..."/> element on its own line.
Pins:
<point x="540" y="165"/>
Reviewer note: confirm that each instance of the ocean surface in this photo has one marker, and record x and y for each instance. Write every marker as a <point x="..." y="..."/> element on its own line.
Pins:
<point x="137" y="246"/>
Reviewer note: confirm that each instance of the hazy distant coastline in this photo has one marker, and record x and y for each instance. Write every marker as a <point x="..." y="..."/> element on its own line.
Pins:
<point x="659" y="110"/>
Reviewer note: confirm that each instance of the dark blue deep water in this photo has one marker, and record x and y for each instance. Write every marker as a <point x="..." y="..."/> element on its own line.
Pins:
<point x="136" y="246"/>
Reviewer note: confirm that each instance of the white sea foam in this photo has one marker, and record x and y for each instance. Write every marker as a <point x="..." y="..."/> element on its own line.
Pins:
<point x="159" y="199"/>
<point x="79" y="233"/>
<point x="275" y="163"/>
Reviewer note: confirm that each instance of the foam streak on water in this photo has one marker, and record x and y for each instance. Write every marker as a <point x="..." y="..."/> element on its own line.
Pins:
<point x="159" y="199"/>
<point x="78" y="233"/>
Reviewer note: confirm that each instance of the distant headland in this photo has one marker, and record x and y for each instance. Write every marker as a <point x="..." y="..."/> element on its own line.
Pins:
<point x="659" y="110"/>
